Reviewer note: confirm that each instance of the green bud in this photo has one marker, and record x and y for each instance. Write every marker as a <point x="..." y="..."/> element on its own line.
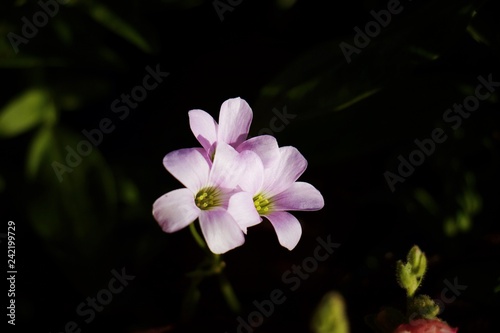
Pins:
<point x="410" y="274"/>
<point x="330" y="315"/>
<point x="416" y="258"/>
<point x="405" y="278"/>
<point x="422" y="306"/>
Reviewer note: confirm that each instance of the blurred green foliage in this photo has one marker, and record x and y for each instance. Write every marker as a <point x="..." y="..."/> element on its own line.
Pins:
<point x="330" y="315"/>
<point x="373" y="108"/>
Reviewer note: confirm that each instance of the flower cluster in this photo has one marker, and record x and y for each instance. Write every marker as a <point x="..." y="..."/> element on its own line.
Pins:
<point x="231" y="182"/>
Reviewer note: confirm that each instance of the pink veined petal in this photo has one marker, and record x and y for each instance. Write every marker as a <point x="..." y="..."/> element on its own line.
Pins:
<point x="203" y="127"/>
<point x="226" y="170"/>
<point x="234" y="121"/>
<point x="190" y="166"/>
<point x="265" y="146"/>
<point x="252" y="172"/>
<point x="220" y="230"/>
<point x="175" y="210"/>
<point x="243" y="210"/>
<point x="285" y="172"/>
<point x="299" y="196"/>
<point x="287" y="228"/>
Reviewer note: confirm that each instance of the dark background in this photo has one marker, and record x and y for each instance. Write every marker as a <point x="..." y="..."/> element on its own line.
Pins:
<point x="352" y="122"/>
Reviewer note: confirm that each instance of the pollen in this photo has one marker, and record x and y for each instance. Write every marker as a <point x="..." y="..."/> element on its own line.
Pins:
<point x="262" y="204"/>
<point x="207" y="198"/>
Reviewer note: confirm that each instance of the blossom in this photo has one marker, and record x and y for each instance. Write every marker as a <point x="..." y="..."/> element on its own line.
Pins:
<point x="208" y="189"/>
<point x="425" y="326"/>
<point x="273" y="191"/>
<point x="231" y="182"/>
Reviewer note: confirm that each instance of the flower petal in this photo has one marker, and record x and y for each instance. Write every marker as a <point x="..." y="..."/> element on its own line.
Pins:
<point x="175" y="210"/>
<point x="190" y="166"/>
<point x="252" y="172"/>
<point x="220" y="230"/>
<point x="234" y="121"/>
<point x="265" y="146"/>
<point x="285" y="172"/>
<point x="287" y="228"/>
<point x="243" y="210"/>
<point x="226" y="170"/>
<point x="299" y="196"/>
<point x="203" y="127"/>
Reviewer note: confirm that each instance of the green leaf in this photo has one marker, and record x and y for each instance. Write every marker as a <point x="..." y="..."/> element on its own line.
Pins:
<point x="63" y="30"/>
<point x="39" y="149"/>
<point x="84" y="197"/>
<point x="484" y="27"/>
<point x="116" y="24"/>
<point x="24" y="112"/>
<point x="427" y="201"/>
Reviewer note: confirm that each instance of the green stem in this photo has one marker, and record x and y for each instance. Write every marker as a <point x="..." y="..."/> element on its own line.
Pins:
<point x="216" y="267"/>
<point x="228" y="293"/>
<point x="197" y="237"/>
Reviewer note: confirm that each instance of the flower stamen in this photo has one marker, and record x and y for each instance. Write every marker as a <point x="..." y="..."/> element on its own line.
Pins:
<point x="262" y="204"/>
<point x="207" y="198"/>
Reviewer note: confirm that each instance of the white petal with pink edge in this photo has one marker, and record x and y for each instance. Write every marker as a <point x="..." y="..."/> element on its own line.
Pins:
<point x="285" y="172"/>
<point x="287" y="228"/>
<point x="220" y="230"/>
<point x="234" y="121"/>
<point x="175" y="210"/>
<point x="190" y="166"/>
<point x="226" y="169"/>
<point x="299" y="196"/>
<point x="265" y="146"/>
<point x="204" y="128"/>
<point x="252" y="172"/>
<point x="243" y="210"/>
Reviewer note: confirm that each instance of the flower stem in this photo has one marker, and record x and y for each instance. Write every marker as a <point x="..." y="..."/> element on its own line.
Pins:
<point x="229" y="295"/>
<point x="215" y="267"/>
<point x="197" y="236"/>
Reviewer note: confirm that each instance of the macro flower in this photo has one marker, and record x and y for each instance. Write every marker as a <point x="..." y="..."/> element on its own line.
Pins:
<point x="273" y="191"/>
<point x="425" y="326"/>
<point x="208" y="189"/>
<point x="231" y="182"/>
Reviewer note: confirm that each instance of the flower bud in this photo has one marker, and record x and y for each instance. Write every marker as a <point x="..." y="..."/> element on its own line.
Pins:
<point x="411" y="273"/>
<point x="405" y="278"/>
<point x="422" y="306"/>
<point x="416" y="258"/>
<point x="330" y="316"/>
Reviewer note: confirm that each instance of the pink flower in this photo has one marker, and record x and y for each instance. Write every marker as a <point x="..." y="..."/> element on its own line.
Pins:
<point x="231" y="182"/>
<point x="209" y="187"/>
<point x="273" y="191"/>
<point x="425" y="326"/>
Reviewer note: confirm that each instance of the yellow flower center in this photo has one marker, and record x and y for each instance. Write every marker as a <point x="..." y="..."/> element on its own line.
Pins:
<point x="262" y="204"/>
<point x="207" y="198"/>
